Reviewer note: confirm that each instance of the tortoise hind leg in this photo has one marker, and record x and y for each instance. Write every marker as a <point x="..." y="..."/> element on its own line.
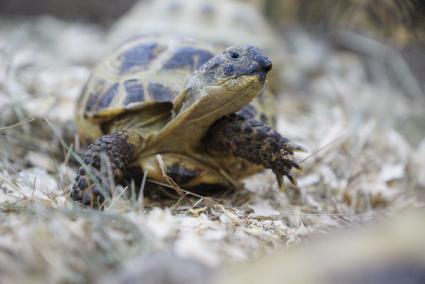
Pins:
<point x="255" y="141"/>
<point x="118" y="151"/>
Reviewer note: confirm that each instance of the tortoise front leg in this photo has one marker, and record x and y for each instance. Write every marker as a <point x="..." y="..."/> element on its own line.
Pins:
<point x="113" y="148"/>
<point x="255" y="141"/>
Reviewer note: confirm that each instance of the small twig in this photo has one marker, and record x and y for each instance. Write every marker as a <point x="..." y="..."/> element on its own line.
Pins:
<point x="68" y="155"/>
<point x="197" y="202"/>
<point x="163" y="168"/>
<point x="133" y="193"/>
<point x="142" y="191"/>
<point x="113" y="200"/>
<point x="323" y="147"/>
<point x="25" y="121"/>
<point x="12" y="185"/>
<point x="105" y="161"/>
<point x="178" y="201"/>
<point x="33" y="187"/>
<point x="184" y="191"/>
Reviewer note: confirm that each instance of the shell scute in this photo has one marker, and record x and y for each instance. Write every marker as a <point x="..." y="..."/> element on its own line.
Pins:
<point x="135" y="74"/>
<point x="161" y="93"/>
<point x="94" y="96"/>
<point x="138" y="57"/>
<point x="107" y="97"/>
<point x="135" y="92"/>
<point x="188" y="57"/>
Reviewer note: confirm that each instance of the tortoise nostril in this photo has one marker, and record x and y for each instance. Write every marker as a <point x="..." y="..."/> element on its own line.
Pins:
<point x="268" y="67"/>
<point x="264" y="62"/>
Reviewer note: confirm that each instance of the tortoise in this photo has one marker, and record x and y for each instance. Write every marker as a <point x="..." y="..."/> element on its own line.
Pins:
<point x="209" y="21"/>
<point x="168" y="103"/>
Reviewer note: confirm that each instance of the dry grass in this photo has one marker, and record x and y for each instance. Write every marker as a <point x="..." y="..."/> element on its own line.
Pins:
<point x="348" y="108"/>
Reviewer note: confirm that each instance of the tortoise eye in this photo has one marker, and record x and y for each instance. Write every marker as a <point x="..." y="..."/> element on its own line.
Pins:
<point x="234" y="54"/>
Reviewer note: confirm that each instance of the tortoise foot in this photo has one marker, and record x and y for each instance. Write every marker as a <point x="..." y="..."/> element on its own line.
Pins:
<point x="256" y="142"/>
<point x="105" y="161"/>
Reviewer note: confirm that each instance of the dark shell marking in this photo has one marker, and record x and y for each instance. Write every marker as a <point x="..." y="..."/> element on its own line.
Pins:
<point x="188" y="57"/>
<point x="135" y="92"/>
<point x="180" y="174"/>
<point x="95" y="95"/>
<point x="90" y="103"/>
<point x="107" y="97"/>
<point x="161" y="93"/>
<point x="138" y="56"/>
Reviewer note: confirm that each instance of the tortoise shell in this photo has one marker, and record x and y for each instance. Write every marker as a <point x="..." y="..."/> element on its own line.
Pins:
<point x="144" y="71"/>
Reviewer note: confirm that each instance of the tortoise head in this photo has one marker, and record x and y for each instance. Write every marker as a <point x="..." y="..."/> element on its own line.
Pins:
<point x="236" y="63"/>
<point x="226" y="82"/>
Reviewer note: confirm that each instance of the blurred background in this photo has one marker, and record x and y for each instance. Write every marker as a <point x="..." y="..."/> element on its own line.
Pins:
<point x="92" y="10"/>
<point x="349" y="83"/>
<point x="400" y="24"/>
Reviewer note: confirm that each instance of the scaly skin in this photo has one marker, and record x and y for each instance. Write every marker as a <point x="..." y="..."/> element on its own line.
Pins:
<point x="255" y="141"/>
<point x="119" y="153"/>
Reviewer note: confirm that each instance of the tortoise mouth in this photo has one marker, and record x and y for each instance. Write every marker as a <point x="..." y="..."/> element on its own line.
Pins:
<point x="261" y="75"/>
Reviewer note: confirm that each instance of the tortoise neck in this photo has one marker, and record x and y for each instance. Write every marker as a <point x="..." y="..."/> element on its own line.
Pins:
<point x="194" y="89"/>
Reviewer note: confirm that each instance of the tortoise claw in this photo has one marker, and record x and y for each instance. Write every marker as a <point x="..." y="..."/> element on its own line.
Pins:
<point x="295" y="164"/>
<point x="294" y="147"/>
<point x="280" y="182"/>
<point x="292" y="178"/>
